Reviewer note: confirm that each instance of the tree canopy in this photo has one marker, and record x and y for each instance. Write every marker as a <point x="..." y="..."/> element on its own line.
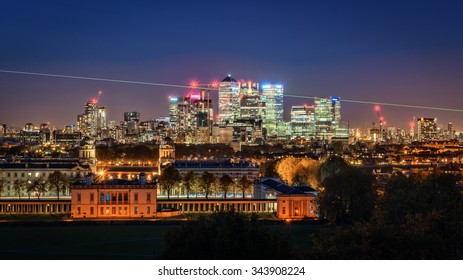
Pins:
<point x="347" y="196"/>
<point x="225" y="235"/>
<point x="170" y="177"/>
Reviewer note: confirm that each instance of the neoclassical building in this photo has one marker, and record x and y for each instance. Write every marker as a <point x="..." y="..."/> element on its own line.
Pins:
<point x="113" y="199"/>
<point x="29" y="169"/>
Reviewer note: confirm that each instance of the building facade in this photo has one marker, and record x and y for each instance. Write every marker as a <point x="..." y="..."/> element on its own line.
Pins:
<point x="228" y="100"/>
<point x="273" y="96"/>
<point x="427" y="129"/>
<point x="113" y="199"/>
<point x="303" y="122"/>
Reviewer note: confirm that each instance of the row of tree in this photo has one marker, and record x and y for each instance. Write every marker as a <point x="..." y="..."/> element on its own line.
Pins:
<point x="411" y="217"/>
<point x="207" y="183"/>
<point x="56" y="182"/>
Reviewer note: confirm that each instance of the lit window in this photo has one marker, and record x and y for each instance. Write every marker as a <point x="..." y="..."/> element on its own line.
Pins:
<point x="135" y="210"/>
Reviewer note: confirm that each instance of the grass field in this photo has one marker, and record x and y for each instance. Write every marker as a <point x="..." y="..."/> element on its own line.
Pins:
<point x="107" y="241"/>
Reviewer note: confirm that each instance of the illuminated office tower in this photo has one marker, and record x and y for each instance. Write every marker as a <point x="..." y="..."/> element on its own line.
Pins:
<point x="87" y="122"/>
<point x="228" y="100"/>
<point x="173" y="110"/>
<point x="252" y="103"/>
<point x="273" y="96"/>
<point x="328" y="118"/>
<point x="451" y="131"/>
<point x="186" y="121"/>
<point x="132" y="119"/>
<point x="303" y="121"/>
<point x="203" y="110"/>
<point x="101" y="122"/>
<point x="427" y="129"/>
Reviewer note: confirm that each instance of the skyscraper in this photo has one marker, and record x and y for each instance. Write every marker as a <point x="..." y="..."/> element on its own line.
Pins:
<point x="273" y="96"/>
<point x="101" y="122"/>
<point x="303" y="121"/>
<point x="427" y="129"/>
<point x="228" y="100"/>
<point x="451" y="131"/>
<point x="87" y="122"/>
<point x="173" y="110"/>
<point x="203" y="110"/>
<point x="252" y="103"/>
<point x="328" y="117"/>
<point x="132" y="120"/>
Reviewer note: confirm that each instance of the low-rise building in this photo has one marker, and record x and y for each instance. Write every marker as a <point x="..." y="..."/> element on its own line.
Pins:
<point x="293" y="202"/>
<point x="113" y="199"/>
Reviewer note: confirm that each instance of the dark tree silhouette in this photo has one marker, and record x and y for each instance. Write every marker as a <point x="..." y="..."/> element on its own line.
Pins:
<point x="226" y="235"/>
<point x="57" y="181"/>
<point x="347" y="196"/>
<point x="189" y="180"/>
<point x="170" y="177"/>
<point x="417" y="218"/>
<point x="244" y="184"/>
<point x="208" y="180"/>
<point x="330" y="167"/>
<point x="225" y="182"/>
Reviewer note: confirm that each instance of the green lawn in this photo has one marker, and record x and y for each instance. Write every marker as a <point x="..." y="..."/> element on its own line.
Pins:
<point x="82" y="242"/>
<point x="108" y="241"/>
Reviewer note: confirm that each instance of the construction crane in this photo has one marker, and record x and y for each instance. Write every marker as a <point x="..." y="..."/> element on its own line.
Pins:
<point x="97" y="99"/>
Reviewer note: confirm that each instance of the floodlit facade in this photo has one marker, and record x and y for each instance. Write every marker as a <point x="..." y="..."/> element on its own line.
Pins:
<point x="252" y="103"/>
<point x="327" y="114"/>
<point x="273" y="97"/>
<point x="93" y="122"/>
<point x="113" y="199"/>
<point x="427" y="129"/>
<point x="173" y="110"/>
<point x="303" y="121"/>
<point x="228" y="100"/>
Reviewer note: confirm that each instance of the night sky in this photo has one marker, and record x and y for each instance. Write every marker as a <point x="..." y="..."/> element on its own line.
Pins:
<point x="391" y="51"/>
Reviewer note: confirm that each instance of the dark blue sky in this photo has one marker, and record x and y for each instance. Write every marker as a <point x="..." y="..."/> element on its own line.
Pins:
<point x="392" y="51"/>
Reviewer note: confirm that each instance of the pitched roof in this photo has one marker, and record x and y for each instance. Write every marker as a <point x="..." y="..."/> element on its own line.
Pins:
<point x="228" y="79"/>
<point x="280" y="187"/>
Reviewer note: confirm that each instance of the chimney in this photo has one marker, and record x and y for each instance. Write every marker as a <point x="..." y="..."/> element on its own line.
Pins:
<point x="142" y="179"/>
<point x="89" y="179"/>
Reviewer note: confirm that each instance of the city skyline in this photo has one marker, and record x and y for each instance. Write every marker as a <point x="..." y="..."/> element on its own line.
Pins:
<point x="358" y="51"/>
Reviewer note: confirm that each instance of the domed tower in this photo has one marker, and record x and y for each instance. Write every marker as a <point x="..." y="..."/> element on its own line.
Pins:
<point x="87" y="153"/>
<point x="166" y="153"/>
